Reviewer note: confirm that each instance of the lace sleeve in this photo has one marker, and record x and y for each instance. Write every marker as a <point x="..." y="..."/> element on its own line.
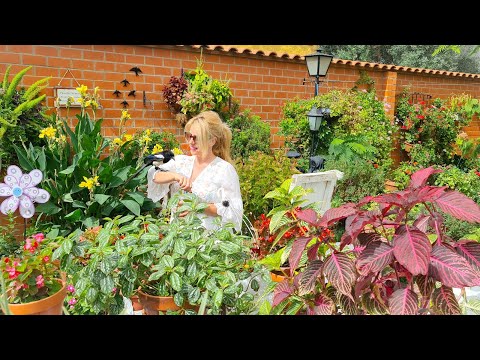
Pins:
<point x="230" y="208"/>
<point x="155" y="191"/>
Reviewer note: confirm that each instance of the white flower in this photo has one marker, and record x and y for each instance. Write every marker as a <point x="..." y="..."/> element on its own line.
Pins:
<point x="22" y="191"/>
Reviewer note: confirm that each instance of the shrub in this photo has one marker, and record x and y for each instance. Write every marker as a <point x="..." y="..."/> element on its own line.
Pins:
<point x="360" y="178"/>
<point x="258" y="175"/>
<point x="249" y="135"/>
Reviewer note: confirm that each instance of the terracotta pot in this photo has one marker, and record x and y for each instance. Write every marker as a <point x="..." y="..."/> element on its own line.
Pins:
<point x="279" y="275"/>
<point x="52" y="305"/>
<point x="153" y="304"/>
<point x="137" y="306"/>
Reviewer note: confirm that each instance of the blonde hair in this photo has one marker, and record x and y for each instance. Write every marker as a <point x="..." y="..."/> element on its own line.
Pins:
<point x="212" y="126"/>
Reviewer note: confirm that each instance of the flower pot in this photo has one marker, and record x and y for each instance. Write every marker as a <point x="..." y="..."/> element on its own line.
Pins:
<point x="153" y="304"/>
<point x="137" y="306"/>
<point x="52" y="305"/>
<point x="279" y="275"/>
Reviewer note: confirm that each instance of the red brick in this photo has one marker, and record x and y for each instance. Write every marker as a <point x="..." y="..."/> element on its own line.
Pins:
<point x="9" y="58"/>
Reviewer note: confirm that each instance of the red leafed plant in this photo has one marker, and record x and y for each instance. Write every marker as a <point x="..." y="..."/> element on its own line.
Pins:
<point x="390" y="260"/>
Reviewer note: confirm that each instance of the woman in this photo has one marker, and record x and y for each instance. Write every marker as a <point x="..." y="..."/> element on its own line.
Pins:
<point x="208" y="172"/>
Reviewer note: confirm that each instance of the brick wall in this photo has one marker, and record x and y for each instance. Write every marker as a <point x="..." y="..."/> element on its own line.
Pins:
<point x="262" y="83"/>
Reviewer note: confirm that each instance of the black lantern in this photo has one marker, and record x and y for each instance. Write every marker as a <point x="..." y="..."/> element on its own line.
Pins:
<point x="318" y="64"/>
<point x="315" y="118"/>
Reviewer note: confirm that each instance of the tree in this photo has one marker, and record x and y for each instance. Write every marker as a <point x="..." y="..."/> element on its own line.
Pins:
<point x="410" y="55"/>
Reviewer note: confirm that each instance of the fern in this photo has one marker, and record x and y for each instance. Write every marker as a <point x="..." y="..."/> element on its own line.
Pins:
<point x="5" y="78"/>
<point x="13" y="85"/>
<point x="28" y="105"/>
<point x="35" y="88"/>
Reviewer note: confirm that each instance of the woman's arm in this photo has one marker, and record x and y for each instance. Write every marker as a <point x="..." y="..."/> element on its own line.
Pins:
<point x="165" y="177"/>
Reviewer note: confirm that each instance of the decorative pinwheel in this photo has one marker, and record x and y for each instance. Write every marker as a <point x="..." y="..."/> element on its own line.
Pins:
<point x="22" y="191"/>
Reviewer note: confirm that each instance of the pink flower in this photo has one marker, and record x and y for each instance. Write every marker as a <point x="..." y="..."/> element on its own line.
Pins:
<point x="72" y="301"/>
<point x="39" y="237"/>
<point x="46" y="259"/>
<point x="70" y="288"/>
<point x="40" y="281"/>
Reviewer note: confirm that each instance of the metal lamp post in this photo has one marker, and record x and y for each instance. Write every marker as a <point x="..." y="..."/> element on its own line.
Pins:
<point x="317" y="65"/>
<point x="315" y="118"/>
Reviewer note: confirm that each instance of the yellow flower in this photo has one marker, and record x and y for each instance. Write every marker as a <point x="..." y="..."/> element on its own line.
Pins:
<point x="117" y="141"/>
<point x="157" y="148"/>
<point x="89" y="183"/>
<point x="87" y="103"/>
<point x="125" y="115"/>
<point x="177" y="151"/>
<point x="127" y="137"/>
<point x="95" y="91"/>
<point x="146" y="139"/>
<point x="82" y="90"/>
<point x="48" y="132"/>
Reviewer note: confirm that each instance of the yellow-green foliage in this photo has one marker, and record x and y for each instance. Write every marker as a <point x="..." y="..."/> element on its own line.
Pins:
<point x="10" y="110"/>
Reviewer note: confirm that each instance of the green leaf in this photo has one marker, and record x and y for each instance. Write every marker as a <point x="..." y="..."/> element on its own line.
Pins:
<point x="23" y="159"/>
<point x="79" y="204"/>
<point x="107" y="284"/>
<point x="276" y="221"/>
<point x="157" y="274"/>
<point x="101" y="198"/>
<point x="191" y="253"/>
<point x="132" y="206"/>
<point x="48" y="208"/>
<point x="192" y="270"/>
<point x="179" y="247"/>
<point x="74" y="216"/>
<point x="139" y="198"/>
<point x="168" y="261"/>
<point x="68" y="170"/>
<point x="229" y="248"/>
<point x="265" y="308"/>
<point x="103" y="237"/>
<point x="91" y="295"/>
<point x="193" y="295"/>
<point x="175" y="281"/>
<point x="67" y="245"/>
<point x="67" y="198"/>
<point x="217" y="298"/>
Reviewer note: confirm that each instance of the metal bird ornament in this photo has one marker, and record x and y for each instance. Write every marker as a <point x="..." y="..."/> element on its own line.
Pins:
<point x="132" y="93"/>
<point x="117" y="93"/>
<point x="136" y="70"/>
<point x="124" y="103"/>
<point x="125" y="82"/>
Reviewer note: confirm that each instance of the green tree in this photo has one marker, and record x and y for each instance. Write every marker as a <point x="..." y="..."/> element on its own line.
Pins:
<point x="410" y="55"/>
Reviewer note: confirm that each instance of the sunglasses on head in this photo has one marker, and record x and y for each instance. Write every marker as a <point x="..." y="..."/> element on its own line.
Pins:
<point x="189" y="136"/>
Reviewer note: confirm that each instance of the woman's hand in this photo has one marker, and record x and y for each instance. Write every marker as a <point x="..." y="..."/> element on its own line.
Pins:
<point x="184" y="182"/>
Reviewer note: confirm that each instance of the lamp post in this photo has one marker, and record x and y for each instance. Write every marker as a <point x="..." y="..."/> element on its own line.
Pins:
<point x="315" y="118"/>
<point x="317" y="65"/>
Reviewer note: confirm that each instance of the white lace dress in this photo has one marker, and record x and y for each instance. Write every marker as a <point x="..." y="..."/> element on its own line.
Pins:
<point x="217" y="183"/>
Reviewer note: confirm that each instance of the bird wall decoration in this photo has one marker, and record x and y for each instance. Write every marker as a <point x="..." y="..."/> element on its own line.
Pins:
<point x="125" y="82"/>
<point x="124" y="103"/>
<point x="136" y="70"/>
<point x="117" y="93"/>
<point x="132" y="93"/>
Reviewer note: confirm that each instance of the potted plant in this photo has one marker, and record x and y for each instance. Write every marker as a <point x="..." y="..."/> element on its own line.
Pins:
<point x="392" y="258"/>
<point x="32" y="283"/>
<point x="197" y="267"/>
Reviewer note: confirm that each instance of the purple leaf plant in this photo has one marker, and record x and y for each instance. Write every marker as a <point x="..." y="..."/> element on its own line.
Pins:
<point x="389" y="260"/>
